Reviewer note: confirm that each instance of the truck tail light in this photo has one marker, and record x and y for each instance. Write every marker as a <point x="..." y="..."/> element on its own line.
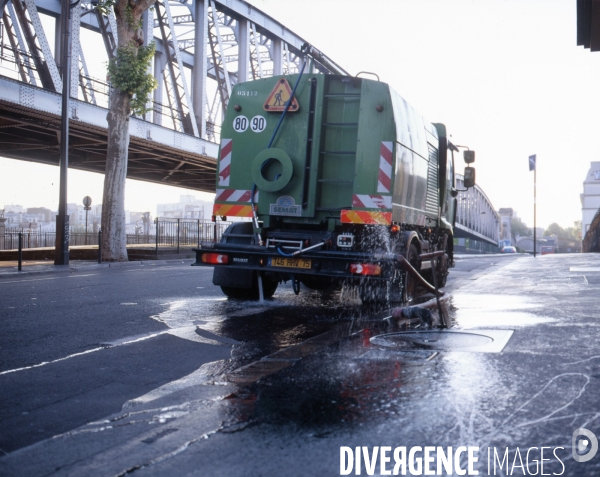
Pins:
<point x="214" y="258"/>
<point x="365" y="269"/>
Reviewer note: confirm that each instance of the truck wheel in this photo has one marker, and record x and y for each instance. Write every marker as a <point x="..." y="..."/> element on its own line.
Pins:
<point x="317" y="283"/>
<point x="238" y="293"/>
<point x="373" y="291"/>
<point x="269" y="287"/>
<point x="409" y="291"/>
<point x="442" y="270"/>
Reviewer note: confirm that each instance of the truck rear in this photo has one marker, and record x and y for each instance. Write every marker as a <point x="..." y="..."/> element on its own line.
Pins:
<point x="334" y="189"/>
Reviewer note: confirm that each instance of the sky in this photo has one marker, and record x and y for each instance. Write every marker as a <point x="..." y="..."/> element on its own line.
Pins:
<point x="505" y="76"/>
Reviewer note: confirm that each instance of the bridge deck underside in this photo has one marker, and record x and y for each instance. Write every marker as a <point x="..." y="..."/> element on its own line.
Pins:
<point x="33" y="135"/>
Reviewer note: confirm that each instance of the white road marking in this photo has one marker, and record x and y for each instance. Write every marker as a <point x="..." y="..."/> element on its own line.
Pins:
<point x="2" y="282"/>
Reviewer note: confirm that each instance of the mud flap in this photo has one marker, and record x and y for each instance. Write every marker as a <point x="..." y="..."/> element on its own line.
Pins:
<point x="233" y="278"/>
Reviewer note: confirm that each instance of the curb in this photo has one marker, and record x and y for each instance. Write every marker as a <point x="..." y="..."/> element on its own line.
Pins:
<point x="91" y="266"/>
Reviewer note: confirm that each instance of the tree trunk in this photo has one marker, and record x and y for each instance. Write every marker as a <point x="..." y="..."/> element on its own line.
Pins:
<point x="114" y="238"/>
<point x="128" y="14"/>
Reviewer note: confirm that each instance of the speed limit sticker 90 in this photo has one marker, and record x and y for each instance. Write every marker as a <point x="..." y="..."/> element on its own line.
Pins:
<point x="240" y="124"/>
<point x="258" y="124"/>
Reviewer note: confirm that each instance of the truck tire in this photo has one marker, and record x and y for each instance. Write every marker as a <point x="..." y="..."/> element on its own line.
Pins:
<point x="409" y="290"/>
<point x="443" y="269"/>
<point x="237" y="283"/>
<point x="269" y="287"/>
<point x="373" y="291"/>
<point x="318" y="283"/>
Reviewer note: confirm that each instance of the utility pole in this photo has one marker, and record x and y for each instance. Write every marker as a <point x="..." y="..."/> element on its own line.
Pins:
<point x="532" y="167"/>
<point x="61" y="250"/>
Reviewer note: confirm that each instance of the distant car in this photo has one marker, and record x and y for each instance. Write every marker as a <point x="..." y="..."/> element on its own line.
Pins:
<point x="508" y="250"/>
<point x="546" y="249"/>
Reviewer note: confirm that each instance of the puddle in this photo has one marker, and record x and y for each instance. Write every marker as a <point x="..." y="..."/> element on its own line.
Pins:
<point x="475" y="311"/>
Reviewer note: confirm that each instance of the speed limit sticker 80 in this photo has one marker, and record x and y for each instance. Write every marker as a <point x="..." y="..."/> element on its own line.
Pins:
<point x="257" y="124"/>
<point x="240" y="124"/>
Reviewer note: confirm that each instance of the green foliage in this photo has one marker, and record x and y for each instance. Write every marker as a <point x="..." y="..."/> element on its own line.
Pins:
<point x="130" y="20"/>
<point x="519" y="228"/>
<point x="570" y="233"/>
<point x="128" y="72"/>
<point x="105" y="6"/>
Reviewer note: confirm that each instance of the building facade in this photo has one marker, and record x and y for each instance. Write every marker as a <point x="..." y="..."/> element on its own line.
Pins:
<point x="590" y="199"/>
<point x="188" y="207"/>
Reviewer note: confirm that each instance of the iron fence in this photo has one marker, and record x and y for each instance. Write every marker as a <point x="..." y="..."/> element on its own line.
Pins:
<point x="171" y="233"/>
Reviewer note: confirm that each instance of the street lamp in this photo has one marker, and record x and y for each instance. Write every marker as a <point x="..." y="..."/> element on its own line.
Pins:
<point x="87" y="202"/>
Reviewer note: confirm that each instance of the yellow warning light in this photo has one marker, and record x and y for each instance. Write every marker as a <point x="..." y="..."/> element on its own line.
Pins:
<point x="280" y="95"/>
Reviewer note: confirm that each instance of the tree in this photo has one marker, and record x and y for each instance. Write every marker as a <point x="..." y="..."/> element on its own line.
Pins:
<point x="555" y="229"/>
<point x="131" y="85"/>
<point x="518" y="228"/>
<point x="570" y="233"/>
<point x="577" y="230"/>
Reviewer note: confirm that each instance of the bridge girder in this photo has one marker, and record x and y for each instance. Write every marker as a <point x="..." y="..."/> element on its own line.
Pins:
<point x="476" y="214"/>
<point x="238" y="42"/>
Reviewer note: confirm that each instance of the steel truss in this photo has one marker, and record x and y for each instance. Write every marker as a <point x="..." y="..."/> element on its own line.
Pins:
<point x="476" y="213"/>
<point x="239" y="43"/>
<point x="203" y="49"/>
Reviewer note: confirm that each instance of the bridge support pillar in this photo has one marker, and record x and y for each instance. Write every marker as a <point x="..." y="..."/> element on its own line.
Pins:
<point x="159" y="68"/>
<point x="276" y="54"/>
<point x="200" y="62"/>
<point x="61" y="250"/>
<point x="243" y="40"/>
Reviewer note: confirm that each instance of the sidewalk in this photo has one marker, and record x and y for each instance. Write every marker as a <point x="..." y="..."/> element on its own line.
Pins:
<point x="9" y="269"/>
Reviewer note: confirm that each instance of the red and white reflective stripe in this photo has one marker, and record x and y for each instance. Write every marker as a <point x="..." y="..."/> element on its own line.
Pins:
<point x="384" y="180"/>
<point x="235" y="195"/>
<point x="362" y="201"/>
<point x="225" y="162"/>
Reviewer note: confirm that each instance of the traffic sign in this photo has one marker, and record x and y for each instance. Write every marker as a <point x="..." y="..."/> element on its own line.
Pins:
<point x="279" y="97"/>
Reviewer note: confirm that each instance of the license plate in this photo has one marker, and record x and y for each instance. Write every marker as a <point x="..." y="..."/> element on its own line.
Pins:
<point x="290" y="262"/>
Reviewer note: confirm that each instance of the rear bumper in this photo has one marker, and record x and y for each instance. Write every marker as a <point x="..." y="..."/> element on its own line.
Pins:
<point x="335" y="264"/>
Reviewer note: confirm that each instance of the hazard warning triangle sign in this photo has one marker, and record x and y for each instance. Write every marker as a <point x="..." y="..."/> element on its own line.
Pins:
<point x="279" y="96"/>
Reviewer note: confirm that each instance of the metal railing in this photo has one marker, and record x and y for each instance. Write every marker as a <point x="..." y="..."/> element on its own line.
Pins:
<point x="172" y="233"/>
<point x="177" y="233"/>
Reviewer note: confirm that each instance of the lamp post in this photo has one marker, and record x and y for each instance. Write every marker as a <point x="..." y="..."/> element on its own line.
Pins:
<point x="532" y="167"/>
<point x="61" y="253"/>
<point x="87" y="202"/>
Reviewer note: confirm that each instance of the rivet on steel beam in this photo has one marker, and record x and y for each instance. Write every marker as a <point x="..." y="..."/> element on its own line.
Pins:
<point x="237" y="107"/>
<point x="379" y="108"/>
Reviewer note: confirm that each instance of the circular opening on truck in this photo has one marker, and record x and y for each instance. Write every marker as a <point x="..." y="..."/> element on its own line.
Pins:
<point x="272" y="170"/>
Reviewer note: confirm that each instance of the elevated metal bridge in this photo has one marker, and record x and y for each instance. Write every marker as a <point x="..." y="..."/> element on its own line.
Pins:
<point x="477" y="227"/>
<point x="176" y="142"/>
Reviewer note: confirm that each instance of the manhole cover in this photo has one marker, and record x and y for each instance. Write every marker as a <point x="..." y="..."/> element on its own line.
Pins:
<point x="434" y="340"/>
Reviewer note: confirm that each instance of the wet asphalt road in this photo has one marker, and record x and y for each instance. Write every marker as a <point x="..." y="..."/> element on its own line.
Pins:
<point x="128" y="331"/>
<point x="322" y="381"/>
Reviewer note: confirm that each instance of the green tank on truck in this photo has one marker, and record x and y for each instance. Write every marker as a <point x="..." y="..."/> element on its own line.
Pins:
<point x="334" y="190"/>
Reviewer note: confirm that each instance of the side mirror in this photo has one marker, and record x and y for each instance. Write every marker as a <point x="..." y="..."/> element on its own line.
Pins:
<point x="469" y="180"/>
<point x="469" y="156"/>
<point x="453" y="192"/>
